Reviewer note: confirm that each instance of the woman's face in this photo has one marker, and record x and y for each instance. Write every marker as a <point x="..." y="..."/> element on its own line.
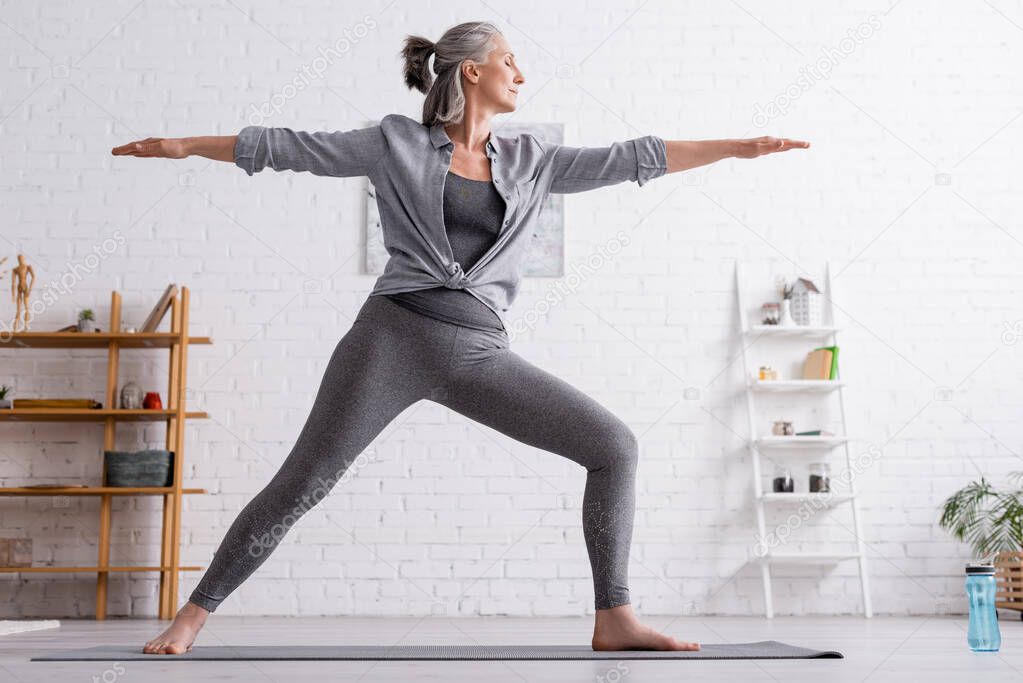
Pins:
<point x="500" y="78"/>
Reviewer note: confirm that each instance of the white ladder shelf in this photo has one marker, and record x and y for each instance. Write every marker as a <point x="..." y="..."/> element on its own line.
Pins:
<point x="783" y="444"/>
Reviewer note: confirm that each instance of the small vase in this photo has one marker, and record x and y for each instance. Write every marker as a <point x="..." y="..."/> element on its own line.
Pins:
<point x="785" y="319"/>
<point x="86" y="325"/>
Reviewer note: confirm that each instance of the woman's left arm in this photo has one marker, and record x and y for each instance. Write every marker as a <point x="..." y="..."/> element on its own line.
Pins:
<point x="686" y="154"/>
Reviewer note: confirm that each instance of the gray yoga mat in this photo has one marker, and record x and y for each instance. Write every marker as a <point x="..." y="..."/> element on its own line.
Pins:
<point x="764" y="649"/>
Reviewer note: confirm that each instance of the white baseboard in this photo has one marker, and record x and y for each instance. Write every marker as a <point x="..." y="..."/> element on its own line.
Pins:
<point x="9" y="626"/>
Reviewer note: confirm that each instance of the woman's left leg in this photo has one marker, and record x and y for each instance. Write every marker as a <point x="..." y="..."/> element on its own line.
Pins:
<point x="522" y="401"/>
<point x="496" y="387"/>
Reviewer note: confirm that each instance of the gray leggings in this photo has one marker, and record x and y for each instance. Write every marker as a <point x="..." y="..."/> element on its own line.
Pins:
<point x="393" y="357"/>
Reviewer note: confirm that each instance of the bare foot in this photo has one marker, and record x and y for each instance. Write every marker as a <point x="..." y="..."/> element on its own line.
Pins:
<point x="618" y="628"/>
<point x="180" y="635"/>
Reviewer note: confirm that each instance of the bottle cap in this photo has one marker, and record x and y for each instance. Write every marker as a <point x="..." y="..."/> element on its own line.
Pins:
<point x="980" y="568"/>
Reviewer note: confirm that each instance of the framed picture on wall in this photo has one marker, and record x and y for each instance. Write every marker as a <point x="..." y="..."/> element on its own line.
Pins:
<point x="547" y="247"/>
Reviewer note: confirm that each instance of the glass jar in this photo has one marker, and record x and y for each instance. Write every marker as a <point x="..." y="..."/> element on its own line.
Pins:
<point x="820" y="477"/>
<point x="782" y="482"/>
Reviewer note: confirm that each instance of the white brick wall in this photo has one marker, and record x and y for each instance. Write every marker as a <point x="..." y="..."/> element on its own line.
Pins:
<point x="908" y="191"/>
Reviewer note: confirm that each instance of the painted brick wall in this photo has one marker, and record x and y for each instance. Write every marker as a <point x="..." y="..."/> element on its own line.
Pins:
<point x="908" y="192"/>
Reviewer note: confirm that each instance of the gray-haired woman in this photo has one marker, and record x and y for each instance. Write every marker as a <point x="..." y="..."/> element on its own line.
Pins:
<point x="456" y="204"/>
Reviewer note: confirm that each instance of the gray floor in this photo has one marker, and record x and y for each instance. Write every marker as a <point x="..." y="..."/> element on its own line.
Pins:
<point x="880" y="649"/>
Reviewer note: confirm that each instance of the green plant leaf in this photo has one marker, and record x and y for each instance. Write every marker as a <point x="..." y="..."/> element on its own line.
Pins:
<point x="991" y="521"/>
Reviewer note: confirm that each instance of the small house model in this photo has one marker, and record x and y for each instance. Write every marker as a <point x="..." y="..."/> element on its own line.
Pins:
<point x="806" y="303"/>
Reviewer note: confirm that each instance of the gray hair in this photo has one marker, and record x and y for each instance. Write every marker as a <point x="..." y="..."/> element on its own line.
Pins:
<point x="445" y="100"/>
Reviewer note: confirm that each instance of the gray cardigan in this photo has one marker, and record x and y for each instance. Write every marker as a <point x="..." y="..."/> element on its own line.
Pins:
<point x="408" y="162"/>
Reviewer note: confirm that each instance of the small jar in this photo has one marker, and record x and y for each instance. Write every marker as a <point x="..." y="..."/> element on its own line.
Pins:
<point x="783" y="482"/>
<point x="820" y="478"/>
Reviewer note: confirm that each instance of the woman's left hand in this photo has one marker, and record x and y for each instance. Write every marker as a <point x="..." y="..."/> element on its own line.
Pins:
<point x="755" y="147"/>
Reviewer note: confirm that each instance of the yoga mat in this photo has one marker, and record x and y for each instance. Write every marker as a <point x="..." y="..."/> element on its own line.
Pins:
<point x="764" y="649"/>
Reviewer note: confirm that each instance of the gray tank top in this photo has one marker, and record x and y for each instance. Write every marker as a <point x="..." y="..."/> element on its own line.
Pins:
<point x="473" y="211"/>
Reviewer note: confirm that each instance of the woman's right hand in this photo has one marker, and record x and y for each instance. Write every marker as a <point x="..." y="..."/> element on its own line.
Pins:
<point x="167" y="148"/>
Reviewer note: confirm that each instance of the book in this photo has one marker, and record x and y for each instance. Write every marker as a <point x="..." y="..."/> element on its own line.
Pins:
<point x="833" y="372"/>
<point x="817" y="364"/>
<point x="834" y="362"/>
<point x="819" y="368"/>
<point x="56" y="403"/>
<point x="156" y="315"/>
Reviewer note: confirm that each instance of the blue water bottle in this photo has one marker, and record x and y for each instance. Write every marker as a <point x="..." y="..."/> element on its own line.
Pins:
<point x="983" y="634"/>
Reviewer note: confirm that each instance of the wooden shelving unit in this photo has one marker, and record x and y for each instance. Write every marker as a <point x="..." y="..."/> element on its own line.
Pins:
<point x="174" y="414"/>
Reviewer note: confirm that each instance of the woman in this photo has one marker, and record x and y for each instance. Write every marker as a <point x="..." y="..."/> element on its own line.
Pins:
<point x="451" y="196"/>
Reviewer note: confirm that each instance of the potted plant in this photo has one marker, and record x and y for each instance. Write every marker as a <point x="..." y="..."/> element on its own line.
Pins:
<point x="991" y="521"/>
<point x="86" y="321"/>
<point x="4" y="401"/>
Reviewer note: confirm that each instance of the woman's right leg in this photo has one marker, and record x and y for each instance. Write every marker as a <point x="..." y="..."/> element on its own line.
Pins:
<point x="388" y="360"/>
<point x="363" y="388"/>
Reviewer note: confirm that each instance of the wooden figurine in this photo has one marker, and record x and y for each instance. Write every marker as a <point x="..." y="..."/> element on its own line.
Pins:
<point x="21" y="288"/>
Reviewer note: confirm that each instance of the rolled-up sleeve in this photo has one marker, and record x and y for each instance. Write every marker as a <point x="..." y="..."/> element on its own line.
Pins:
<point x="577" y="169"/>
<point x="339" y="153"/>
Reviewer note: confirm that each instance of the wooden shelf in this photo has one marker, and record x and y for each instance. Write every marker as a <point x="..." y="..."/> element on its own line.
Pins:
<point x="176" y="342"/>
<point x="94" y="340"/>
<point x="92" y="415"/>
<point x="92" y="490"/>
<point x="91" y="570"/>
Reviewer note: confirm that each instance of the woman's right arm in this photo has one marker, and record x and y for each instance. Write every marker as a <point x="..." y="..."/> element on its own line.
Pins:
<point x="217" y="147"/>
<point x="338" y="153"/>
